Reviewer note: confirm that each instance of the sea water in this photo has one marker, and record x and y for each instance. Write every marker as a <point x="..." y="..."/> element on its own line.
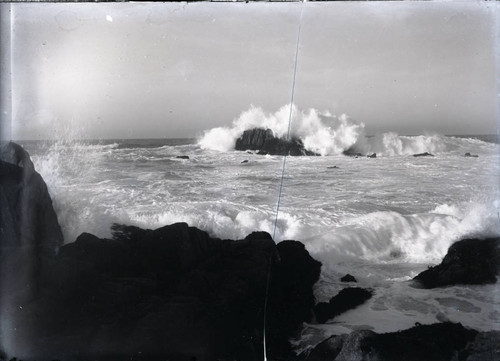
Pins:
<point x="382" y="219"/>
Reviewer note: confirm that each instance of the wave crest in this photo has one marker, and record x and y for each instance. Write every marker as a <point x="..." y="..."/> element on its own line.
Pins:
<point x="326" y="134"/>
<point x="321" y="132"/>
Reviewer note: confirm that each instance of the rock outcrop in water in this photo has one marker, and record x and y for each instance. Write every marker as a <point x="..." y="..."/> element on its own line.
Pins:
<point x="468" y="155"/>
<point x="426" y="154"/>
<point x="265" y="142"/>
<point x="345" y="300"/>
<point x="469" y="261"/>
<point x="443" y="342"/>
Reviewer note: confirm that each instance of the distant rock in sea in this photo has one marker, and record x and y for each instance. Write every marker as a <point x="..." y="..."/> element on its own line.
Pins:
<point x="351" y="152"/>
<point x="264" y="141"/>
<point x="244" y="161"/>
<point x="426" y="154"/>
<point x="373" y="155"/>
<point x="468" y="262"/>
<point x="182" y="157"/>
<point x="348" y="278"/>
<point x="468" y="155"/>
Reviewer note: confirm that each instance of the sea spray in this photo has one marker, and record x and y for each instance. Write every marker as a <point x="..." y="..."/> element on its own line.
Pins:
<point x="326" y="134"/>
<point x="322" y="133"/>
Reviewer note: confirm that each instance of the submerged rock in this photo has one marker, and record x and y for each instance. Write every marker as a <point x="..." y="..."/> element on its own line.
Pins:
<point x="426" y="154"/>
<point x="348" y="278"/>
<point x="345" y="300"/>
<point x="444" y="341"/>
<point x="182" y="157"/>
<point x="469" y="261"/>
<point x="265" y="142"/>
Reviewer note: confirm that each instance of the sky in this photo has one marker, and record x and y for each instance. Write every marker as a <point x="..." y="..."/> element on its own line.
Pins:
<point x="170" y="70"/>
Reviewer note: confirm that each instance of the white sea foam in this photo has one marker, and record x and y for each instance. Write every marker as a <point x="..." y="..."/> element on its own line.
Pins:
<point x="415" y="238"/>
<point x="321" y="132"/>
<point x="327" y="134"/>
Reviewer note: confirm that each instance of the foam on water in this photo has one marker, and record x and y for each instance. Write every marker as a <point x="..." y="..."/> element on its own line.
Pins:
<point x="415" y="238"/>
<point x="383" y="220"/>
<point x="327" y="134"/>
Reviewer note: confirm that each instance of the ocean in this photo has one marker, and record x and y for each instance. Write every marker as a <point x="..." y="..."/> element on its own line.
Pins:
<point x="382" y="220"/>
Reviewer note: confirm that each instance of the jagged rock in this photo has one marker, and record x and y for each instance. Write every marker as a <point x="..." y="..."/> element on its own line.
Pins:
<point x="485" y="347"/>
<point x="173" y="292"/>
<point x="348" y="278"/>
<point x="443" y="341"/>
<point x="426" y="154"/>
<point x="373" y="155"/>
<point x="468" y="155"/>
<point x="345" y="300"/>
<point x="265" y="142"/>
<point x="182" y="157"/>
<point x="291" y="299"/>
<point x="469" y="261"/>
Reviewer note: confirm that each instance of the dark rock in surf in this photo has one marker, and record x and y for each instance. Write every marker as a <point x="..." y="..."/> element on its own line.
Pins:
<point x="245" y="161"/>
<point x="182" y="157"/>
<point x="469" y="261"/>
<point x="351" y="152"/>
<point x="443" y="341"/>
<point x="468" y="155"/>
<point x="345" y="300"/>
<point x="348" y="278"/>
<point x="426" y="154"/>
<point x="264" y="141"/>
<point x="291" y="299"/>
<point x="373" y="155"/>
<point x="333" y="167"/>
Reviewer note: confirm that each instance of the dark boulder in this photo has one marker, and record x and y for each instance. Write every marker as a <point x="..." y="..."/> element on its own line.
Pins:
<point x="469" y="261"/>
<point x="373" y="155"/>
<point x="348" y="278"/>
<point x="173" y="292"/>
<point x="437" y="342"/>
<point x="468" y="155"/>
<point x="332" y="167"/>
<point x="426" y="154"/>
<point x="265" y="142"/>
<point x="182" y="157"/>
<point x="291" y="299"/>
<point x="244" y="161"/>
<point x="29" y="230"/>
<point x="345" y="300"/>
<point x="27" y="216"/>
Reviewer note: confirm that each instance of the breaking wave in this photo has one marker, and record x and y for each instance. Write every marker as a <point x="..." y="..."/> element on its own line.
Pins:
<point x="326" y="134"/>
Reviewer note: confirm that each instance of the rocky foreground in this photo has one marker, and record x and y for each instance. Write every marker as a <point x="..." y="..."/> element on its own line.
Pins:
<point x="176" y="293"/>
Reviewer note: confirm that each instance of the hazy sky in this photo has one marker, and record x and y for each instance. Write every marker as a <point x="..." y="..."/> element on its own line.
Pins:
<point x="113" y="70"/>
